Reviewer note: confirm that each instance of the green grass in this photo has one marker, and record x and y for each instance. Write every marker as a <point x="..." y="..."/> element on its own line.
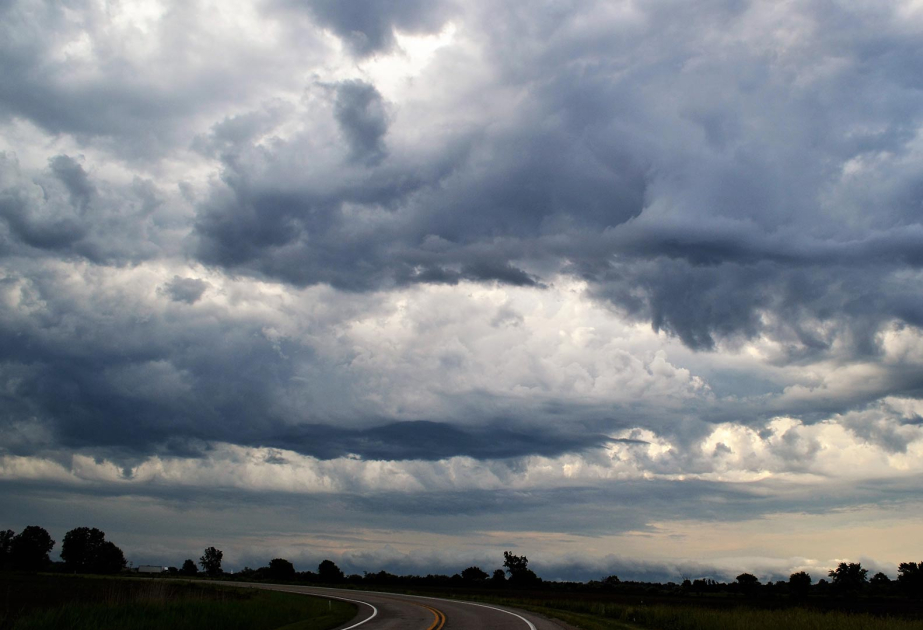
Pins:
<point x="75" y="603"/>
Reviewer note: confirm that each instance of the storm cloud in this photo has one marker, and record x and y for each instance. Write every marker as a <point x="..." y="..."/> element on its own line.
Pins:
<point x="659" y="263"/>
<point x="368" y="27"/>
<point x="709" y="218"/>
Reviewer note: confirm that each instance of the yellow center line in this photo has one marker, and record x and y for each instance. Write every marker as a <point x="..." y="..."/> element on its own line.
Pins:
<point x="440" y="618"/>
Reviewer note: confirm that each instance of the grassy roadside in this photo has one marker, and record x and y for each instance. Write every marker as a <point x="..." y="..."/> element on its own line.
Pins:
<point x="46" y="602"/>
<point x="582" y="621"/>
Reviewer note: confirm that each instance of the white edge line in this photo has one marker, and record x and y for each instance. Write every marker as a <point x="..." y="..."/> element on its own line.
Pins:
<point x="528" y="623"/>
<point x="356" y="625"/>
<point x="461" y="601"/>
<point x="345" y="599"/>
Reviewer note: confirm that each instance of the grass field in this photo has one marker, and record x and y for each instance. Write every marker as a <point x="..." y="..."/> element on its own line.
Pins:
<point x="590" y="615"/>
<point x="46" y="602"/>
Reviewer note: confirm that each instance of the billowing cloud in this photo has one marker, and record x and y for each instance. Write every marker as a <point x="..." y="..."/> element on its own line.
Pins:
<point x="458" y="265"/>
<point x="712" y="219"/>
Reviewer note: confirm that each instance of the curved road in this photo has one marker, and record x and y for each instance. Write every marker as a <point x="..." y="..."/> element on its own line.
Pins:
<point x="391" y="611"/>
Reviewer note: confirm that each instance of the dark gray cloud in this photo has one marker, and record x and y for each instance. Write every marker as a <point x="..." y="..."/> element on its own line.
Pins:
<point x="547" y="194"/>
<point x="189" y="377"/>
<point x="185" y="383"/>
<point x="61" y="213"/>
<point x="713" y="219"/>
<point x="187" y="290"/>
<point x="75" y="179"/>
<point x="367" y="27"/>
<point x="360" y="112"/>
<point x="719" y="172"/>
<point x="432" y="220"/>
<point x="39" y="87"/>
<point x="426" y="440"/>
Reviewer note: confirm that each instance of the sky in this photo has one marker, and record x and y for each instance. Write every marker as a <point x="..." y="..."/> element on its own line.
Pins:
<point x="626" y="287"/>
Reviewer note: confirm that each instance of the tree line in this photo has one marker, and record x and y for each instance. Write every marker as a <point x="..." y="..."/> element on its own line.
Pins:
<point x="847" y="579"/>
<point x="279" y="569"/>
<point x="86" y="550"/>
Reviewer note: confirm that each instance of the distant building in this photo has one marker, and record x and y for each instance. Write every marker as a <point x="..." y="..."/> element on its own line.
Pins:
<point x="149" y="568"/>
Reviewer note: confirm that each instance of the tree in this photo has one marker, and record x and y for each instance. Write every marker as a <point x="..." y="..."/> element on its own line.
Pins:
<point x="281" y="569"/>
<point x="110" y="559"/>
<point x="189" y="567"/>
<point x="329" y="572"/>
<point x="747" y="583"/>
<point x="86" y="550"/>
<point x="880" y="578"/>
<point x="848" y="578"/>
<point x="611" y="581"/>
<point x="514" y="564"/>
<point x="799" y="584"/>
<point x="211" y="561"/>
<point x="910" y="578"/>
<point x="518" y="568"/>
<point x="499" y="576"/>
<point x="474" y="574"/>
<point x="29" y="549"/>
<point x="80" y="547"/>
<point x="6" y="546"/>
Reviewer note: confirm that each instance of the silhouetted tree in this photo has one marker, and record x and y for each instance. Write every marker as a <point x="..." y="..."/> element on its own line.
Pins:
<point x="611" y="581"/>
<point x="703" y="585"/>
<point x="518" y="568"/>
<point x="880" y="578"/>
<point x="382" y="577"/>
<point x="110" y="559"/>
<point x="848" y="578"/>
<point x="211" y="561"/>
<point x="474" y="574"/>
<point x="86" y="550"/>
<point x="910" y="578"/>
<point x="281" y="569"/>
<point x="499" y="576"/>
<point x="29" y="549"/>
<point x="515" y="564"/>
<point x="189" y="567"/>
<point x="747" y="583"/>
<point x="329" y="572"/>
<point x="80" y="548"/>
<point x="799" y="584"/>
<point x="6" y="546"/>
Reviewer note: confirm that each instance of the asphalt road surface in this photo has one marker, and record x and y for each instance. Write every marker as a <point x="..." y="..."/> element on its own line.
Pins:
<point x="390" y="611"/>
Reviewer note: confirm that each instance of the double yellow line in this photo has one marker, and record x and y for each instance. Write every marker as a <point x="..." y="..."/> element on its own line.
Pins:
<point x="440" y="618"/>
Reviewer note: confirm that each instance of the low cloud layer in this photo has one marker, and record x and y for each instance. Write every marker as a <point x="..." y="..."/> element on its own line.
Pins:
<point x="658" y="264"/>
